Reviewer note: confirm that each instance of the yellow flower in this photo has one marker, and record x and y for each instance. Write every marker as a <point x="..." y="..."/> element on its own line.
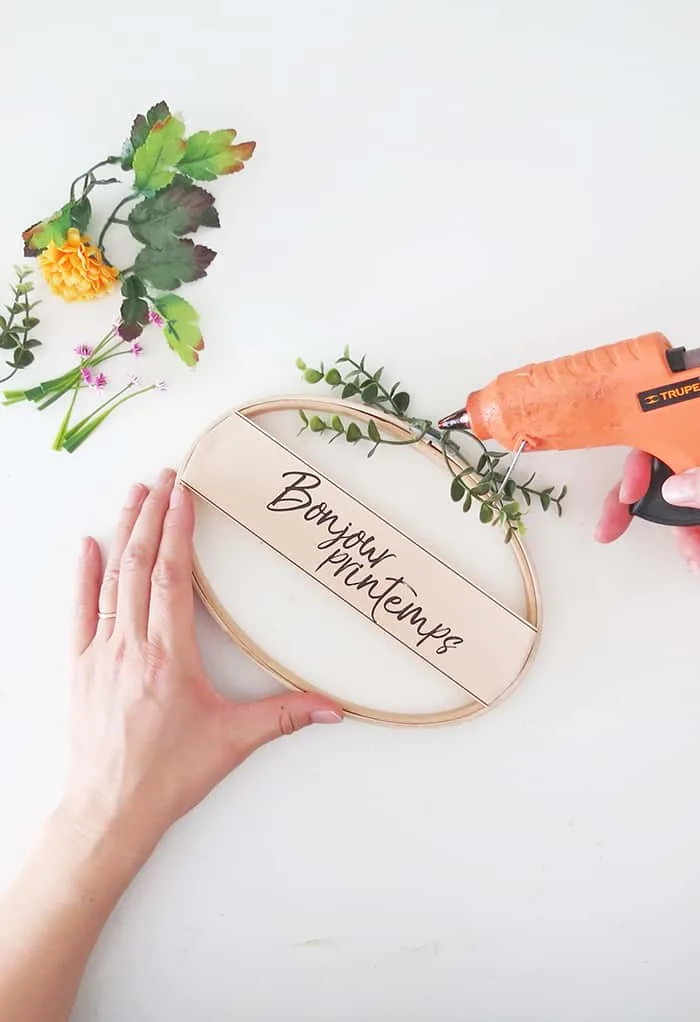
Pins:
<point x="75" y="270"/>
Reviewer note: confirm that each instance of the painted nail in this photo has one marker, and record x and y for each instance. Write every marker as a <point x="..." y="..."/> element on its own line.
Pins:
<point x="625" y="497"/>
<point x="176" y="496"/>
<point x="166" y="476"/>
<point x="134" y="495"/>
<point x="325" y="717"/>
<point x="681" y="490"/>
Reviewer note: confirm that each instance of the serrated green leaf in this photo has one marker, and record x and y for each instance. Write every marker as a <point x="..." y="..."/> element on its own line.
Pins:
<point x="157" y="157"/>
<point x="313" y="375"/>
<point x="176" y="210"/>
<point x="177" y="260"/>
<point x="132" y="287"/>
<point x="80" y="214"/>
<point x="333" y="378"/>
<point x="485" y="513"/>
<point x="370" y="393"/>
<point x="209" y="154"/>
<point x="402" y="401"/>
<point x="40" y="235"/>
<point x="158" y="112"/>
<point x="181" y="328"/>
<point x="353" y="433"/>
<point x="457" y="490"/>
<point x="373" y="432"/>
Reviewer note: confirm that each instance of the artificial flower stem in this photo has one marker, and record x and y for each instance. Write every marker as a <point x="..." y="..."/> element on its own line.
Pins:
<point x="76" y="437"/>
<point x="63" y="428"/>
<point x="110" y="219"/>
<point x="96" y="411"/>
<point x="103" y="163"/>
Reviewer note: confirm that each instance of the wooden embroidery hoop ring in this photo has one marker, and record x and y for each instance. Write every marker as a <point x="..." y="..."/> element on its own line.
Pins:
<point x="399" y="430"/>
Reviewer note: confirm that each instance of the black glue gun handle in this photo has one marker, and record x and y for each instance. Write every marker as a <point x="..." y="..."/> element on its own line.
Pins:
<point x="653" y="508"/>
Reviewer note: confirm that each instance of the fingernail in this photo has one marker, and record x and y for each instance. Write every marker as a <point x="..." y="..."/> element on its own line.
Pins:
<point x="176" y="496"/>
<point x="325" y="717"/>
<point x="681" y="490"/>
<point x="599" y="534"/>
<point x="134" y="495"/>
<point x="625" y="497"/>
<point x="85" y="547"/>
<point x="166" y="476"/>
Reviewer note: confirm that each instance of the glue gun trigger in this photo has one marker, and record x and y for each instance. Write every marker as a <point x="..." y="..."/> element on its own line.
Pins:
<point x="653" y="508"/>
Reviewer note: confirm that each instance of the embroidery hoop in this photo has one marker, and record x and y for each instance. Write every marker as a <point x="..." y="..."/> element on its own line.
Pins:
<point x="398" y="430"/>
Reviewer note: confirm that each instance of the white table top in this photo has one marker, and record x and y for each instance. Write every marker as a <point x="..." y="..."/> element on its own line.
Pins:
<point x="478" y="185"/>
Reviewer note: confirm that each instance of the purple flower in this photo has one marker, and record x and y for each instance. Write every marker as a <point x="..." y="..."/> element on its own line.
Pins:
<point x="100" y="381"/>
<point x="136" y="349"/>
<point x="84" y="350"/>
<point x="86" y="375"/>
<point x="155" y="318"/>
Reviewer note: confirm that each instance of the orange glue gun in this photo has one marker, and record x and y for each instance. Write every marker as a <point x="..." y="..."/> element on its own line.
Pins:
<point x="641" y="393"/>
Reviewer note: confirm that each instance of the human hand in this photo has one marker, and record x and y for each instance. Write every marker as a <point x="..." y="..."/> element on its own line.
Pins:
<point x="683" y="490"/>
<point x="150" y="735"/>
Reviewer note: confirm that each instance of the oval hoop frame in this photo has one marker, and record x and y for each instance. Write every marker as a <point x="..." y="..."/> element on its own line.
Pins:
<point x="396" y="428"/>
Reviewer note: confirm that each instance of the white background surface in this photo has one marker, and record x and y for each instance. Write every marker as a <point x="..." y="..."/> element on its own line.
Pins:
<point x="455" y="188"/>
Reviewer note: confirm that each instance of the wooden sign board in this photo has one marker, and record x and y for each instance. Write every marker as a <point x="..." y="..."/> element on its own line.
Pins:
<point x="358" y="556"/>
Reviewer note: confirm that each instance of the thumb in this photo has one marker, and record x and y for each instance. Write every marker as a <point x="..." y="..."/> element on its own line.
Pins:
<point x="683" y="490"/>
<point x="267" y="719"/>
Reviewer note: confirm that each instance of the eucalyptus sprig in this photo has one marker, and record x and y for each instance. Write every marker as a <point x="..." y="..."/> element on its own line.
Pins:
<point x="16" y="327"/>
<point x="497" y="503"/>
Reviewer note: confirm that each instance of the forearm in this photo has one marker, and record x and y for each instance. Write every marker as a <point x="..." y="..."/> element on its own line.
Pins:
<point x="52" y="915"/>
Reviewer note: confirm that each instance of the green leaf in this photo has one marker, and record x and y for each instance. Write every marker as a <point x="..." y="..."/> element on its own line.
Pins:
<point x="482" y="464"/>
<point x="134" y="313"/>
<point x="334" y="378"/>
<point x="457" y="490"/>
<point x="370" y="393"/>
<point x="402" y="401"/>
<point x="178" y="260"/>
<point x="174" y="211"/>
<point x="378" y="375"/>
<point x="30" y="322"/>
<point x="303" y="416"/>
<point x="481" y="488"/>
<point x="132" y="287"/>
<point x="349" y="390"/>
<point x="373" y="432"/>
<point x="3" y="323"/>
<point x="526" y="497"/>
<point x="80" y="214"/>
<point x="313" y="375"/>
<point x="509" y="488"/>
<point x="209" y="154"/>
<point x="564" y="491"/>
<point x="301" y="364"/>
<point x="155" y="159"/>
<point x="32" y="343"/>
<point x="545" y="500"/>
<point x="316" y="424"/>
<point x="182" y="327"/>
<point x="353" y="433"/>
<point x="8" y="341"/>
<point x="22" y="358"/>
<point x="512" y="510"/>
<point x="485" y="513"/>
<point x="39" y="236"/>
<point x="337" y="424"/>
<point x="467" y="502"/>
<point x="509" y="535"/>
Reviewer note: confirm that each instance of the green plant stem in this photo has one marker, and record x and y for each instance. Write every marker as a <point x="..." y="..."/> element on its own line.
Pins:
<point x="80" y="433"/>
<point x="63" y="428"/>
<point x="103" y="163"/>
<point x="9" y="377"/>
<point x="110" y="219"/>
<point x="380" y="387"/>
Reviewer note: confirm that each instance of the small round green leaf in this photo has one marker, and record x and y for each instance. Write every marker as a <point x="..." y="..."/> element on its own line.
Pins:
<point x="22" y="358"/>
<point x="349" y="390"/>
<point x="402" y="401"/>
<point x="337" y="424"/>
<point x="301" y="364"/>
<point x="316" y="425"/>
<point x="485" y="513"/>
<point x="457" y="490"/>
<point x="373" y="432"/>
<point x="313" y="376"/>
<point x="370" y="393"/>
<point x="333" y="378"/>
<point x="545" y="501"/>
<point x="353" y="433"/>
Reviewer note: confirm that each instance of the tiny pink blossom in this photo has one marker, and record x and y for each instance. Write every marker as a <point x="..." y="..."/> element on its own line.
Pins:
<point x="136" y="349"/>
<point x="100" y="381"/>
<point x="161" y="385"/>
<point x="84" y="350"/>
<point x="86" y="375"/>
<point x="155" y="318"/>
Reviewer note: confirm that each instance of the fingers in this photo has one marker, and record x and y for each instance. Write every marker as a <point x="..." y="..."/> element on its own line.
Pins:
<point x="636" y="477"/>
<point x="110" y="582"/>
<point x="616" y="517"/>
<point x="139" y="558"/>
<point x="683" y="490"/>
<point x="171" y="616"/>
<point x="254" y="724"/>
<point x="89" y="572"/>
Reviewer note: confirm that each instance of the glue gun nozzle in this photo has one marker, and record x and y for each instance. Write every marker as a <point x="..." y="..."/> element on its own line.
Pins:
<point x="457" y="420"/>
